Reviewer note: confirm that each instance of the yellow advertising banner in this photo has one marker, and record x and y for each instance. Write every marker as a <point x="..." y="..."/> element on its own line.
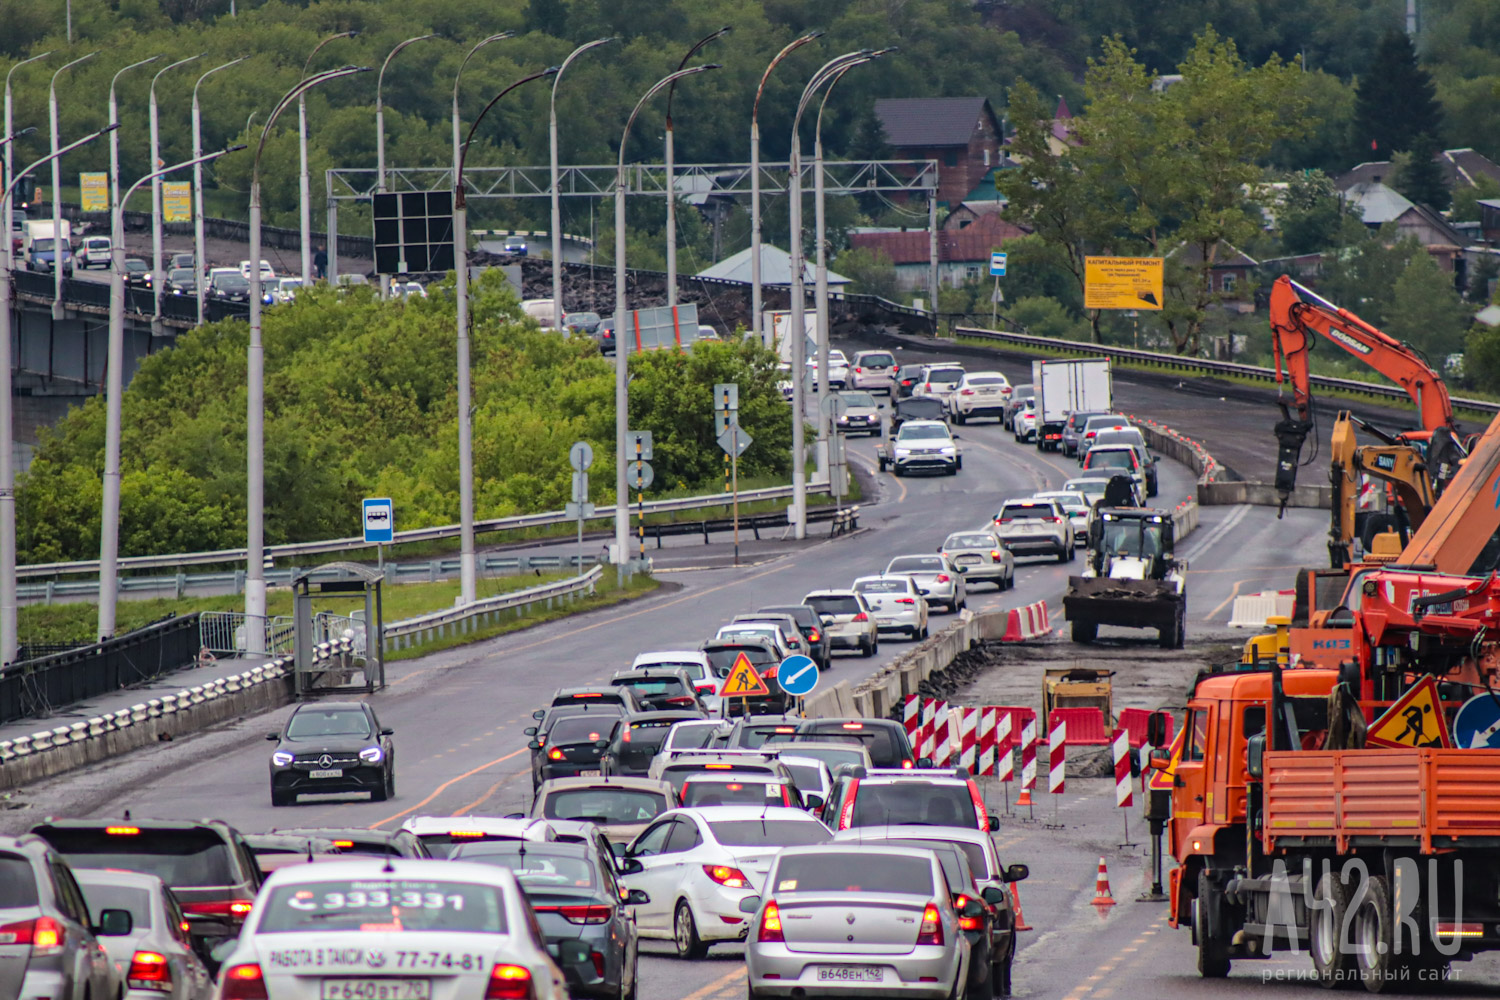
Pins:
<point x="177" y="201"/>
<point x="1122" y="282"/>
<point x="95" y="192"/>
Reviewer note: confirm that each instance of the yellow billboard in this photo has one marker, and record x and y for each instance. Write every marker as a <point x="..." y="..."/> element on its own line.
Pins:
<point x="95" y="192"/>
<point x="177" y="201"/>
<point x="1122" y="282"/>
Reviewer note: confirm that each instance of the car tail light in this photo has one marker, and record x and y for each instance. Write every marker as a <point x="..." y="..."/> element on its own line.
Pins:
<point x="343" y="843"/>
<point x="966" y="392"/>
<point x="907" y="765"/>
<point x="854" y="725"/>
<point x="509" y="982"/>
<point x="846" y="814"/>
<point x="122" y="831"/>
<point x="861" y="617"/>
<point x="44" y="934"/>
<point x="1452" y="930"/>
<point x="927" y="387"/>
<point x="1054" y="520"/>
<point x="942" y="578"/>
<point x="1003" y="520"/>
<point x="858" y="370"/>
<point x="149" y="971"/>
<point x="965" y="923"/>
<point x="237" y="909"/>
<point x="813" y="636"/>
<point x="906" y="600"/>
<point x="243" y="982"/>
<point x="770" y="923"/>
<point x="733" y="878"/>
<point x="580" y="914"/>
<point x="555" y="754"/>
<point x="931" y="931"/>
<point x="682" y="700"/>
<point x="979" y="814"/>
<point x="995" y="554"/>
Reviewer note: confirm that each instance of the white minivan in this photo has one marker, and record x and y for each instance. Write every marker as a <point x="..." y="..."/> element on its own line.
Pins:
<point x="94" y="251"/>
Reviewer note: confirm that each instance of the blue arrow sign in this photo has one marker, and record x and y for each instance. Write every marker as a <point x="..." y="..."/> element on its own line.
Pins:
<point x="797" y="675"/>
<point x="1477" y="724"/>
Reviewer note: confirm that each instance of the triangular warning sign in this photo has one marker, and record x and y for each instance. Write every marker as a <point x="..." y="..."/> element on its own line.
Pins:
<point x="743" y="681"/>
<point x="1161" y="781"/>
<point x="1414" y="721"/>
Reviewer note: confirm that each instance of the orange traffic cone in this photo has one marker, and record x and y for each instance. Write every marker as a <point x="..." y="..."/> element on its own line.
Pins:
<point x="1024" y="799"/>
<point x="1015" y="902"/>
<point x="1102" y="895"/>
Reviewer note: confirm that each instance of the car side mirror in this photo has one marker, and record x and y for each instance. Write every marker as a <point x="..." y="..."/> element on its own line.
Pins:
<point x="1017" y="873"/>
<point x="515" y="815"/>
<point x="114" y="923"/>
<point x="971" y="908"/>
<point x="630" y="866"/>
<point x="529" y="731"/>
<point x="1160" y="759"/>
<point x="957" y="437"/>
<point x="1156" y="729"/>
<point x="601" y="744"/>
<point x="387" y="732"/>
<point x="924" y="763"/>
<point x="538" y="714"/>
<point x="533" y="745"/>
<point x="750" y="904"/>
<point x="994" y="823"/>
<point x="617" y="848"/>
<point x="994" y="895"/>
<point x="273" y="736"/>
<point x="637" y="897"/>
<point x="812" y="802"/>
<point x="1255" y="756"/>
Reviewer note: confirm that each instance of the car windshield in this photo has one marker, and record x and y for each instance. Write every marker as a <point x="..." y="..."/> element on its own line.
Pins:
<point x="382" y="906"/>
<point x="1086" y="485"/>
<point x="861" y="870"/>
<point x="534" y="865"/>
<point x="883" y="587"/>
<point x="181" y="274"/>
<point x="695" y="670"/>
<point x="314" y="722"/>
<point x="944" y="374"/>
<point x="651" y="685"/>
<point x="180" y="858"/>
<point x="1097" y="424"/>
<point x="230" y="282"/>
<point x="581" y="729"/>
<point x="604" y="805"/>
<point x="859" y="399"/>
<point x="916" y="803"/>
<point x="1069" y="501"/>
<point x="878" y="741"/>
<point x="806" y="777"/>
<point x="747" y="631"/>
<point x="687" y="736"/>
<point x="835" y="605"/>
<point x="770" y="832"/>
<point x="643" y="738"/>
<point x="1132" y="538"/>
<point x="1022" y="512"/>
<point x="915" y="564"/>
<point x="753" y="737"/>
<point x="42" y="244"/>
<point x="973" y="541"/>
<point x="136" y="265"/>
<point x="17" y="882"/>
<point x="1110" y="460"/>
<point x="876" y="360"/>
<point x="118" y="897"/>
<point x="926" y="432"/>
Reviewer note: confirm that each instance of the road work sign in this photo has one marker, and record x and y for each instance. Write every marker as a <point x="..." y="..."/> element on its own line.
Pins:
<point x="744" y="681"/>
<point x="1414" y="721"/>
<point x="1122" y="282"/>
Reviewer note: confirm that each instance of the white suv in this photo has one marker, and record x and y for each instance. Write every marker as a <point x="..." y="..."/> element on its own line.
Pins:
<point x="1035" y="527"/>
<point x="979" y="394"/>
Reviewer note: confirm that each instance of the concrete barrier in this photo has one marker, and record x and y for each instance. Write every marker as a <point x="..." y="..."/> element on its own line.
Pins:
<point x="1264" y="495"/>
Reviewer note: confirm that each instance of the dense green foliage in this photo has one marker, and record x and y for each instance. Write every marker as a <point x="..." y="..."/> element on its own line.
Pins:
<point x="360" y="402"/>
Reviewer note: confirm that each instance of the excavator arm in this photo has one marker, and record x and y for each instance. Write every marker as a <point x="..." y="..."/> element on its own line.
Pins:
<point x="1458" y="535"/>
<point x="1393" y="462"/>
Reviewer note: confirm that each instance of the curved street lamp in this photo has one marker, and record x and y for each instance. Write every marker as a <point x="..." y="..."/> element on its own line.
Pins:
<point x="385" y="279"/>
<point x="755" y="298"/>
<point x="10" y="150"/>
<point x="557" y="293"/>
<point x="200" y="268"/>
<point x="255" y="442"/>
<point x="114" y="137"/>
<point x="622" y="402"/>
<point x="458" y="78"/>
<point x="57" y="250"/>
<point x="304" y="185"/>
<point x="671" y="187"/>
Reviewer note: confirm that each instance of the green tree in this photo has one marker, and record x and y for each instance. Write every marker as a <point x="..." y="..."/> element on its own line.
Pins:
<point x="1426" y="311"/>
<point x="1044" y="317"/>
<point x="1396" y="100"/>
<point x="1419" y="176"/>
<point x="1312" y="217"/>
<point x="1468" y="196"/>
<point x="871" y="272"/>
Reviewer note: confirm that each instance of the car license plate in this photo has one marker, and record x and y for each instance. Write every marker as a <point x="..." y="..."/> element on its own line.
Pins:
<point x="851" y="974"/>
<point x="884" y="619"/>
<point x="336" y="772"/>
<point x="589" y="774"/>
<point x="967" y="560"/>
<point x="377" y="989"/>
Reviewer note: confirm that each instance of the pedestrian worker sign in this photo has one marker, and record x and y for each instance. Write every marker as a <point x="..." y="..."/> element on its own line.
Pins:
<point x="1414" y="721"/>
<point x="1122" y="282"/>
<point x="744" y="681"/>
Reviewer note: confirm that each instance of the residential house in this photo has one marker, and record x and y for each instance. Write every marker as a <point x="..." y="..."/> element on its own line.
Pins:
<point x="963" y="251"/>
<point x="1461" y="167"/>
<point x="1379" y="205"/>
<point x="961" y="133"/>
<point x="1229" y="275"/>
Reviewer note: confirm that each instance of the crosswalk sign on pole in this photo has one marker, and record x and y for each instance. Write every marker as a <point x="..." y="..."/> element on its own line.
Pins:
<point x="744" y="681"/>
<point x="1416" y="720"/>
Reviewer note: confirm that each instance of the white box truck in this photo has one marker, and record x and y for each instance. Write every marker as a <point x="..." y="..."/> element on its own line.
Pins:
<point x="36" y="245"/>
<point x="1065" y="386"/>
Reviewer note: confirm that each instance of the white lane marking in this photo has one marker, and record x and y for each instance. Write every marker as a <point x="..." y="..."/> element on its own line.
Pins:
<point x="1219" y="531"/>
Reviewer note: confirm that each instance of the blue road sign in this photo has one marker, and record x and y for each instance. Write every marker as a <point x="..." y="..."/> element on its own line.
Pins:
<point x="997" y="264"/>
<point x="380" y="520"/>
<point x="1477" y="724"/>
<point x="797" y="675"/>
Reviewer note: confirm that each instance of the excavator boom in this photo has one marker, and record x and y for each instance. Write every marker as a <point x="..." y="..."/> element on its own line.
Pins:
<point x="1460" y="527"/>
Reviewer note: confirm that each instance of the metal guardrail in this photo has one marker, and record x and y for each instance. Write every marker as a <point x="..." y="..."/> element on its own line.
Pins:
<point x="423" y="628"/>
<point x="295" y="549"/>
<point x="1205" y="366"/>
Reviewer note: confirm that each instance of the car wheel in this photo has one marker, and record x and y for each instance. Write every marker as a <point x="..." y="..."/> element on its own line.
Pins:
<point x="961" y="605"/>
<point x="867" y="647"/>
<point x="685" y="934"/>
<point x="1064" y="555"/>
<point x="985" y="988"/>
<point x="959" y="418"/>
<point x="382" y="793"/>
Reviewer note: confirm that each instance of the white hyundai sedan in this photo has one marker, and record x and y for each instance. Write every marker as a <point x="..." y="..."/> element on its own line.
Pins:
<point x="698" y="864"/>
<point x="400" y="928"/>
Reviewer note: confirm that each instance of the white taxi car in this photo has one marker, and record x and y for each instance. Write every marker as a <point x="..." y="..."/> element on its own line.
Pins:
<point x="393" y="929"/>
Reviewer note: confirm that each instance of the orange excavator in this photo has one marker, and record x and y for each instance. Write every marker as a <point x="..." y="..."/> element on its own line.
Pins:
<point x="1416" y="464"/>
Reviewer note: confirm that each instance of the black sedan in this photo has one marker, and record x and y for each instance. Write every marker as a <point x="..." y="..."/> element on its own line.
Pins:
<point x="137" y="272"/>
<point x="580" y="907"/>
<point x="332" y="746"/>
<point x="574" y="748"/>
<point x="638" y="738"/>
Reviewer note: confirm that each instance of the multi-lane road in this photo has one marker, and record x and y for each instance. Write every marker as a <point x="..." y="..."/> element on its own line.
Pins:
<point x="458" y="717"/>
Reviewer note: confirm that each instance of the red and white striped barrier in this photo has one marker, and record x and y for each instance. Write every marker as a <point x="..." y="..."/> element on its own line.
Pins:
<point x="984" y="742"/>
<point x="929" y="714"/>
<point x="1057" y="759"/>
<point x="911" y="718"/>
<point x="1004" y="762"/>
<point x="1121" y="749"/>
<point x="942" y="736"/>
<point x="1029" y="622"/>
<point x="968" y="725"/>
<point x="1028" y="755"/>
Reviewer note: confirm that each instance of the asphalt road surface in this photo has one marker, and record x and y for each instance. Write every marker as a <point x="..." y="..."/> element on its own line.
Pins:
<point x="458" y="717"/>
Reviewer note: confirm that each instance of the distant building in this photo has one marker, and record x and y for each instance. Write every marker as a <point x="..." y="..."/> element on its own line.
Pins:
<point x="1229" y="275"/>
<point x="1461" y="168"/>
<point x="1379" y="205"/>
<point x="963" y="252"/>
<point x="961" y="133"/>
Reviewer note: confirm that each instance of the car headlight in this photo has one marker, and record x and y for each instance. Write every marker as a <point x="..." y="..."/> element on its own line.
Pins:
<point x="372" y="755"/>
<point x="902" y="451"/>
<point x="950" y="450"/>
<point x="281" y="758"/>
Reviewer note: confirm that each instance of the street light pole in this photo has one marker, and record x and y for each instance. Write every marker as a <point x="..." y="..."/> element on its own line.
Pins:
<point x="671" y="187"/>
<point x="755" y="297"/>
<point x="9" y="640"/>
<point x="200" y="265"/>
<point x="156" y="225"/>
<point x="59" y="245"/>
<point x="9" y="131"/>
<point x="557" y="293"/>
<point x="622" y="399"/>
<point x="468" y="584"/>
<point x="385" y="279"/>
<point x="114" y="137"/>
<point x="304" y="184"/>
<point x="114" y="387"/>
<point x="255" y="442"/>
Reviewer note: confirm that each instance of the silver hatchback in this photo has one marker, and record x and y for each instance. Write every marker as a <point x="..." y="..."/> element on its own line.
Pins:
<point x="843" y="920"/>
<point x="979" y="555"/>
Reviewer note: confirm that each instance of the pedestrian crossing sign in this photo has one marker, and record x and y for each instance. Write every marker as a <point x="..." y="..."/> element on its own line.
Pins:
<point x="744" y="681"/>
<point x="1414" y="721"/>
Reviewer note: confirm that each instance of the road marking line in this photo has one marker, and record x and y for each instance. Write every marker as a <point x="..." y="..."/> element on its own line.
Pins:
<point x="1232" y="595"/>
<point x="723" y="981"/>
<point x="466" y="810"/>
<point x="440" y="788"/>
